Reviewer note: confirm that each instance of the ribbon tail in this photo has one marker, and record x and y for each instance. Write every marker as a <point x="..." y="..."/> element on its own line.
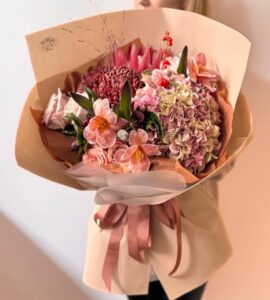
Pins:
<point x="178" y="236"/>
<point x="112" y="253"/>
<point x="138" y="231"/>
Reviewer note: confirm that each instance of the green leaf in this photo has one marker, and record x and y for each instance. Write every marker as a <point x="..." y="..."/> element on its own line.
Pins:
<point x="182" y="66"/>
<point x="83" y="101"/>
<point x="70" y="133"/>
<point x="124" y="109"/>
<point x="91" y="94"/>
<point x="78" y="126"/>
<point x="147" y="72"/>
<point x="152" y="118"/>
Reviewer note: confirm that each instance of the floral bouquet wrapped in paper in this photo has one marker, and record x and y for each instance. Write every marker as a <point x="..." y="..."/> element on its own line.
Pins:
<point x="144" y="118"/>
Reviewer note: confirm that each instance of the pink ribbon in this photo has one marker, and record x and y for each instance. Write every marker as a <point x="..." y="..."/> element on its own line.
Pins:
<point x="137" y="218"/>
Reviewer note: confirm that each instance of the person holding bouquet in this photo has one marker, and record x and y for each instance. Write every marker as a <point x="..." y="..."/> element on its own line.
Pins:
<point x="156" y="291"/>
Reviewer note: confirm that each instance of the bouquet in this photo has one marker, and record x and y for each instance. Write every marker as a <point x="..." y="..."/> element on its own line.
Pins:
<point x="145" y="125"/>
<point x="145" y="108"/>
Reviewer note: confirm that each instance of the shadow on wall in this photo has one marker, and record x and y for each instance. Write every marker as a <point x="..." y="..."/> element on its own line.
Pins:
<point x="26" y="273"/>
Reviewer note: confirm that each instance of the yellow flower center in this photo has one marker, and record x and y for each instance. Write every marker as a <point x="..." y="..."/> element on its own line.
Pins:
<point x="139" y="154"/>
<point x="100" y="123"/>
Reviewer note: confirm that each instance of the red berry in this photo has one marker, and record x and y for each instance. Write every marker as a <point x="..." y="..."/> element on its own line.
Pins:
<point x="164" y="82"/>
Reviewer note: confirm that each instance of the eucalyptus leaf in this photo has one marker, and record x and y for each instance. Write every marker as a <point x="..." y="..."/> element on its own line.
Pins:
<point x="182" y="66"/>
<point x="152" y="118"/>
<point x="83" y="101"/>
<point x="124" y="109"/>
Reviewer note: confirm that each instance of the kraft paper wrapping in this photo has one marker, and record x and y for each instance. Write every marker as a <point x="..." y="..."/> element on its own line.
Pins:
<point x="75" y="46"/>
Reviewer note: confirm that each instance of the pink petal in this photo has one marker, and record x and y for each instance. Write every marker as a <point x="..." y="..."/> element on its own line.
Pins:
<point x="119" y="156"/>
<point x="138" y="137"/>
<point x="106" y="138"/>
<point x="157" y="59"/>
<point x="129" y="152"/>
<point x="192" y="71"/>
<point x="120" y="124"/>
<point x="141" y="165"/>
<point x="111" y="117"/>
<point x="209" y="74"/>
<point x="120" y="58"/>
<point x="201" y="59"/>
<point x="150" y="149"/>
<point x="134" y="64"/>
<point x="100" y="105"/>
<point x="211" y="85"/>
<point x="90" y="135"/>
<point x="146" y="60"/>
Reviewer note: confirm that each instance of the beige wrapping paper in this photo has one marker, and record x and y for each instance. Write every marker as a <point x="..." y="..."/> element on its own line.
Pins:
<point x="206" y="246"/>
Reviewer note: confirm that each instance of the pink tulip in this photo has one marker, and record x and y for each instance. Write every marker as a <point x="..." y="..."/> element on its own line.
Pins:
<point x="137" y="155"/>
<point x="101" y="128"/>
<point x="199" y="73"/>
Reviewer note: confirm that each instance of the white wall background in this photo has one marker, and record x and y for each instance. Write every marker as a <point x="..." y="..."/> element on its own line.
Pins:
<point x="55" y="217"/>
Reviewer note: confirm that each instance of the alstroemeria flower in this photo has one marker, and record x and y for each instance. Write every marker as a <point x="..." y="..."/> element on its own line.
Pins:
<point x="137" y="155"/>
<point x="101" y="128"/>
<point x="199" y="73"/>
<point x="96" y="157"/>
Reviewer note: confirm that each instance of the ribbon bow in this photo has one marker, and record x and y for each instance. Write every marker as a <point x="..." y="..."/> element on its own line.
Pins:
<point x="137" y="218"/>
<point x="129" y="199"/>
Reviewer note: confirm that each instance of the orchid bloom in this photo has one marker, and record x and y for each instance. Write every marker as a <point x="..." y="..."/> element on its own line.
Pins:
<point x="101" y="128"/>
<point x="137" y="155"/>
<point x="199" y="72"/>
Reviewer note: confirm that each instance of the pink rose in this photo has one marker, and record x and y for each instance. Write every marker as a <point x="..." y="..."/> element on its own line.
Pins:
<point x="96" y="157"/>
<point x="53" y="116"/>
<point x="59" y="105"/>
<point x="112" y="150"/>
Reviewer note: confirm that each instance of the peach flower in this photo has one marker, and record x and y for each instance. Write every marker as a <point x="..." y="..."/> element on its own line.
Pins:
<point x="199" y="73"/>
<point x="101" y="128"/>
<point x="137" y="155"/>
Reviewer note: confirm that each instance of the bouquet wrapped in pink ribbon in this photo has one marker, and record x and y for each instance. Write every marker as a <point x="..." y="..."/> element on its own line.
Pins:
<point x="145" y="117"/>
